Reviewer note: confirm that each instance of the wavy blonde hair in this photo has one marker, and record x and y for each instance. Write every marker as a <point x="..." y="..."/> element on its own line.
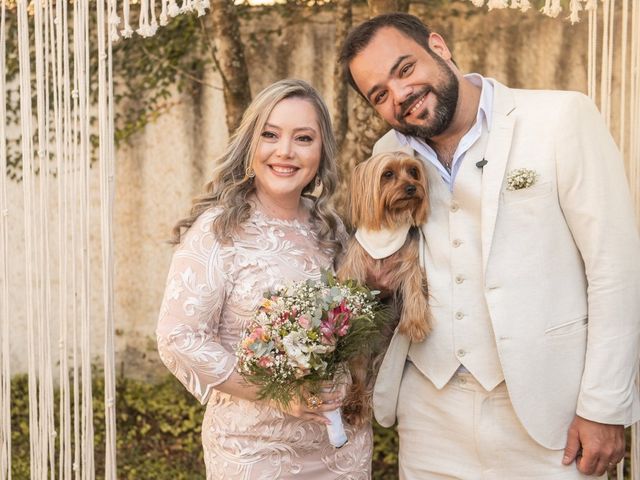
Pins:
<point x="230" y="187"/>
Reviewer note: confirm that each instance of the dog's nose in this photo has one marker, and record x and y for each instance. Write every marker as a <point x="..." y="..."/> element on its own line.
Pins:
<point x="410" y="189"/>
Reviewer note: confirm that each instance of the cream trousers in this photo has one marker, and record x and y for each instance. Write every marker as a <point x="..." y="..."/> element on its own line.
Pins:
<point x="464" y="432"/>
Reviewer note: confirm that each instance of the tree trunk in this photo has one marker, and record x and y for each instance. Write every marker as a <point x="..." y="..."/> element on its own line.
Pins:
<point x="340" y="87"/>
<point x="369" y="127"/>
<point x="365" y="126"/>
<point x="378" y="7"/>
<point x="228" y="56"/>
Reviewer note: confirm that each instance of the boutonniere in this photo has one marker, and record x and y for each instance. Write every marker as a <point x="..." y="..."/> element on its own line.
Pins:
<point x="521" y="178"/>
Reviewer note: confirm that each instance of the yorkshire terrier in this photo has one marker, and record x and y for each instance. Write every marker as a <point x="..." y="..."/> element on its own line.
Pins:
<point x="389" y="202"/>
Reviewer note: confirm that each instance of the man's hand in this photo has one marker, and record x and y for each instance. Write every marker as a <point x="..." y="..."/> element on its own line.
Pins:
<point x="594" y="446"/>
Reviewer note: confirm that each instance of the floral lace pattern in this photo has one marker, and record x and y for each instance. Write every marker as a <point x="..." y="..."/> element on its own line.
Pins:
<point x="211" y="293"/>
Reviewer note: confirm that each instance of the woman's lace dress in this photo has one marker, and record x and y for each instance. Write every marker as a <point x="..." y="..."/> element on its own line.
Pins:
<point x="211" y="293"/>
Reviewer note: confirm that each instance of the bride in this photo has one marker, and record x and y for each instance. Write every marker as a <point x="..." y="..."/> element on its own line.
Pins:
<point x="255" y="229"/>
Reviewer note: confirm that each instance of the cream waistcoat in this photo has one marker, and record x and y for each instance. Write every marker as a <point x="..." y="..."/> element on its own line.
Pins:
<point x="462" y="331"/>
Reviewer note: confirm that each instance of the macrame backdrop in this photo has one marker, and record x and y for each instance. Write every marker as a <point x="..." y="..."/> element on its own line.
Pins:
<point x="56" y="156"/>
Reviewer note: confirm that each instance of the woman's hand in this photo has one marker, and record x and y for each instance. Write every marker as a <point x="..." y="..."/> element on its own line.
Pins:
<point x="312" y="405"/>
<point x="330" y="397"/>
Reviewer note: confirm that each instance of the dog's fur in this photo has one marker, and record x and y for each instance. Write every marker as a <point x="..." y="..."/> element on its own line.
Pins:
<point x="387" y="190"/>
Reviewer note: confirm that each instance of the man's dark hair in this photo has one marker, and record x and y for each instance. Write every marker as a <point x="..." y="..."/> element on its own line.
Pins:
<point x="358" y="38"/>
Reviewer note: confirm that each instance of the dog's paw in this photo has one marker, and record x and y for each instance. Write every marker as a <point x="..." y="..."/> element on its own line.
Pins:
<point x="417" y="331"/>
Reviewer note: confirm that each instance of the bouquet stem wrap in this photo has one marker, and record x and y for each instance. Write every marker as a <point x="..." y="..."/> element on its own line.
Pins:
<point x="337" y="435"/>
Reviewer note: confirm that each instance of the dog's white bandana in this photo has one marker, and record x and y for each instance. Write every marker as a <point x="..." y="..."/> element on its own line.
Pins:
<point x="382" y="243"/>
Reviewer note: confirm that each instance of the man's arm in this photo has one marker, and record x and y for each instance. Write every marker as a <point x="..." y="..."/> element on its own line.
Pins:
<point x="595" y="200"/>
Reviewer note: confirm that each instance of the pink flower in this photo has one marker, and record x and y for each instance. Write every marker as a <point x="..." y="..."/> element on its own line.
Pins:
<point x="304" y="322"/>
<point x="257" y="334"/>
<point x="327" y="332"/>
<point x="339" y="319"/>
<point x="342" y="324"/>
<point x="265" y="362"/>
<point x="283" y="318"/>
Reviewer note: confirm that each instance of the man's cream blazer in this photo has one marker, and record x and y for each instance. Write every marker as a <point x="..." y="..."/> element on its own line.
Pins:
<point x="561" y="267"/>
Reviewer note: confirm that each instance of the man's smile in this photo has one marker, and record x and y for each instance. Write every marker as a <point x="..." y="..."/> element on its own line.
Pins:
<point x="416" y="106"/>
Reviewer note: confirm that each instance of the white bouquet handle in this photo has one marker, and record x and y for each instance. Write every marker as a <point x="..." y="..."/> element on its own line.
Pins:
<point x="337" y="435"/>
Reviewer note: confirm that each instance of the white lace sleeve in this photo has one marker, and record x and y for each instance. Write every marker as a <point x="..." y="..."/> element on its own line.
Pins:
<point x="191" y="310"/>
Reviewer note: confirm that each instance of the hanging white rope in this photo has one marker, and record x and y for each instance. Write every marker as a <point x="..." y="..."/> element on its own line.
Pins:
<point x="58" y="40"/>
<point x="592" y="54"/>
<point x="83" y="159"/>
<point x="27" y="181"/>
<point x="148" y="15"/>
<point x="624" y="40"/>
<point x="605" y="71"/>
<point x="551" y="8"/>
<point x="62" y="33"/>
<point x="5" y="367"/>
<point x="634" y="116"/>
<point x="106" y="131"/>
<point x="41" y="242"/>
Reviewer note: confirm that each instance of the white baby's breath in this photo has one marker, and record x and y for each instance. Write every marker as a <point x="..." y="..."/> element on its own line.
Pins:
<point x="521" y="178"/>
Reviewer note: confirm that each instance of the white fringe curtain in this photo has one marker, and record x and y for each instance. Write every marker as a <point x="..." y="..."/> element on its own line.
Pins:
<point x="56" y="156"/>
<point x="5" y="381"/>
<point x="605" y="42"/>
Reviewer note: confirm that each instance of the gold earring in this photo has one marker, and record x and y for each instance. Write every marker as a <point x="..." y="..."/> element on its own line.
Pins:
<point x="249" y="172"/>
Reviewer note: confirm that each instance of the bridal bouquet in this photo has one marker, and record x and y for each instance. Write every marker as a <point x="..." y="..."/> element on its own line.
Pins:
<point x="303" y="335"/>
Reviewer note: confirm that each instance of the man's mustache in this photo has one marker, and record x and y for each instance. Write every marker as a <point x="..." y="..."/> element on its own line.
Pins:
<point x="406" y="105"/>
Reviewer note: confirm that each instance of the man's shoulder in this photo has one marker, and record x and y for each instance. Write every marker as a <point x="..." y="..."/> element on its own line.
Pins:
<point x="539" y="104"/>
<point x="389" y="143"/>
<point x="553" y="97"/>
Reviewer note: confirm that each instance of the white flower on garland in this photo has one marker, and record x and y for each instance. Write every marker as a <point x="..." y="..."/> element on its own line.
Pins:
<point x="521" y="178"/>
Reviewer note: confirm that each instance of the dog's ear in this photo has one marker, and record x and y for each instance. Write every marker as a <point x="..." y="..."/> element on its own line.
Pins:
<point x="365" y="196"/>
<point x="422" y="212"/>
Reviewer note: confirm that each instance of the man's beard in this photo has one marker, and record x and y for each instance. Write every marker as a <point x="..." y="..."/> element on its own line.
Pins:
<point x="442" y="115"/>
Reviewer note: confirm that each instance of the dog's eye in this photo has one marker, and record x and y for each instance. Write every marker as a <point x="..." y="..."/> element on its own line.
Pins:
<point x="413" y="172"/>
<point x="388" y="174"/>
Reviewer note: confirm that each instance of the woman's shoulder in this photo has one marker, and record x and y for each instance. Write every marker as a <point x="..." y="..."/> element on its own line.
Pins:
<point x="202" y="228"/>
<point x="203" y="223"/>
<point x="210" y="214"/>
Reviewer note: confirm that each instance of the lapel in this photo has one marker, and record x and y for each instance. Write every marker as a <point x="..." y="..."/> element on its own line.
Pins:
<point x="497" y="155"/>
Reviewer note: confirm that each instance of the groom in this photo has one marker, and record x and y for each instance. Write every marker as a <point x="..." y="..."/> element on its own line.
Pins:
<point x="533" y="261"/>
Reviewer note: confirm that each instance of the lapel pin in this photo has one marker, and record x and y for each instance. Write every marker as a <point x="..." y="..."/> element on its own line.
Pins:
<point x="481" y="163"/>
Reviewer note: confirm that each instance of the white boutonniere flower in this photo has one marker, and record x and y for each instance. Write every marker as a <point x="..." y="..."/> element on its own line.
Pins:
<point x="521" y="178"/>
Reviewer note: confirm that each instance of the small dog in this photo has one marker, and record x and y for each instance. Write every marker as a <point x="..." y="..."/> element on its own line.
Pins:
<point x="389" y="201"/>
<point x="389" y="194"/>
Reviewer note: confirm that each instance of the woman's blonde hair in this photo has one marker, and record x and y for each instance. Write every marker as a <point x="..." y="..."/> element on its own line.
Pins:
<point x="230" y="187"/>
